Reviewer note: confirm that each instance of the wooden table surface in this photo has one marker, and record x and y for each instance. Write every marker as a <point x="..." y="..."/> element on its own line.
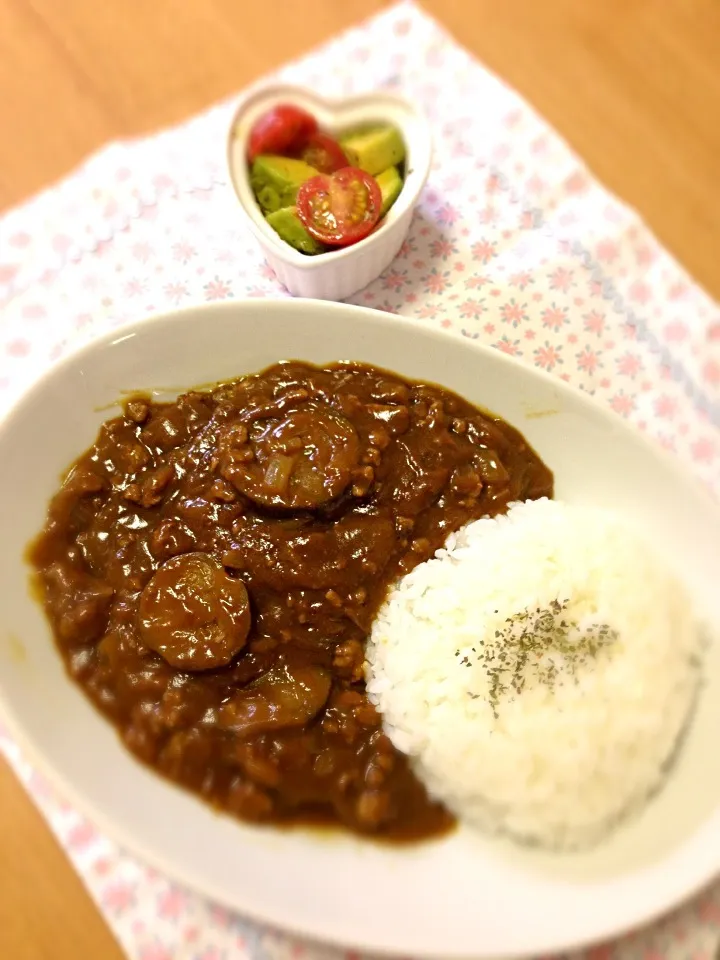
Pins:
<point x="633" y="85"/>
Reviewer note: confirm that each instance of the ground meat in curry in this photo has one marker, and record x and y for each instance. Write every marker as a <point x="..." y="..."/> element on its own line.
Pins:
<point x="211" y="568"/>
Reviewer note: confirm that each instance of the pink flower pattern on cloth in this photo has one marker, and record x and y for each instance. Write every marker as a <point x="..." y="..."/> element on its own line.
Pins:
<point x="513" y="244"/>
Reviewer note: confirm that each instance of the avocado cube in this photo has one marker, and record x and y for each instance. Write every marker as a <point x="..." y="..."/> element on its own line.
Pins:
<point x="275" y="180"/>
<point x="375" y="149"/>
<point x="390" y="183"/>
<point x="289" y="227"/>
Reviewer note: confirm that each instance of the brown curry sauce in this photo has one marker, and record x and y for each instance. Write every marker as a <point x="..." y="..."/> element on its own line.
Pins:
<point x="211" y="568"/>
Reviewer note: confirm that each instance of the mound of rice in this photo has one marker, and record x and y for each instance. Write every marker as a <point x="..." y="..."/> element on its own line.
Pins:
<point x="540" y="672"/>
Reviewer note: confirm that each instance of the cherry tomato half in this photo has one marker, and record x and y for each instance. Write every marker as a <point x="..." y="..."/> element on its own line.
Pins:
<point x="340" y="208"/>
<point x="283" y="128"/>
<point x="323" y="153"/>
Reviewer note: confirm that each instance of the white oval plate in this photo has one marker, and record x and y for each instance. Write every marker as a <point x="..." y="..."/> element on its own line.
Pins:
<point x="464" y="896"/>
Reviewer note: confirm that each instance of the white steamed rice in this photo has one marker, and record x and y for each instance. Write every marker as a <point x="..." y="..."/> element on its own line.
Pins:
<point x="560" y="762"/>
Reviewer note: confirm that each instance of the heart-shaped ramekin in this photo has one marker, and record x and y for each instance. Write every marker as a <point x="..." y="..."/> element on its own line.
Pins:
<point x="339" y="273"/>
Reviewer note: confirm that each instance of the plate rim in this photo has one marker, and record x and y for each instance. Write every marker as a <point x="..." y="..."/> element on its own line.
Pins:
<point x="45" y="764"/>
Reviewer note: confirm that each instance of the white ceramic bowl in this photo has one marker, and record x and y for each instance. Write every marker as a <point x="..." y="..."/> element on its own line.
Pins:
<point x="339" y="273"/>
<point x="464" y="896"/>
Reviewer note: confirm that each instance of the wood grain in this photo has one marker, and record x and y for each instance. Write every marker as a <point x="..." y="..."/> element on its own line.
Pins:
<point x="633" y="85"/>
<point x="45" y="913"/>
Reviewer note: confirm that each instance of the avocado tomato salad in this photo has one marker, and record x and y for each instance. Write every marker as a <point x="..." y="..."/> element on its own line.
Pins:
<point x="319" y="193"/>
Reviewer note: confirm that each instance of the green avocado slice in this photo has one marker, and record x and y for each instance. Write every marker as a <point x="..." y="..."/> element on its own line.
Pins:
<point x="275" y="180"/>
<point x="390" y="183"/>
<point x="288" y="226"/>
<point x="375" y="149"/>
